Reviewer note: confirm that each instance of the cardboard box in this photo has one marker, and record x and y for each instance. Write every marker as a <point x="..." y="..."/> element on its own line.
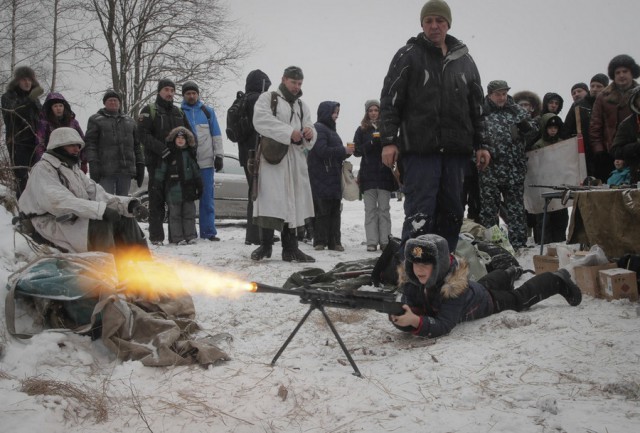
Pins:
<point x="618" y="283"/>
<point x="545" y="264"/>
<point x="552" y="251"/>
<point x="587" y="278"/>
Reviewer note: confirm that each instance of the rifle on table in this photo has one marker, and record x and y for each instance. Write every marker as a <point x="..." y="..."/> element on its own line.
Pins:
<point x="318" y="299"/>
<point x="566" y="187"/>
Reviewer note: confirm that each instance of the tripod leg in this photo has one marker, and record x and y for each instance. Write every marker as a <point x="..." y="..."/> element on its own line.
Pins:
<point x="344" y="348"/>
<point x="295" y="331"/>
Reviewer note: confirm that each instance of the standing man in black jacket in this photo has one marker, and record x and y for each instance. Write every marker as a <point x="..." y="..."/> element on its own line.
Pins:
<point x="155" y="122"/>
<point x="112" y="147"/>
<point x="257" y="82"/>
<point x="431" y="123"/>
<point x="21" y="112"/>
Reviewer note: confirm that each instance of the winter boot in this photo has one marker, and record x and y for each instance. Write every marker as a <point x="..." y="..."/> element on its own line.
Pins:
<point x="514" y="272"/>
<point x="266" y="245"/>
<point x="261" y="252"/>
<point x="571" y="292"/>
<point x="290" y="250"/>
<point x="545" y="285"/>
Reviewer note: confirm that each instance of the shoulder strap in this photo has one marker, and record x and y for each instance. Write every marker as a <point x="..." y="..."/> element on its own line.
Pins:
<point x="274" y="102"/>
<point x="274" y="106"/>
<point x="153" y="109"/>
<point x="206" y="112"/>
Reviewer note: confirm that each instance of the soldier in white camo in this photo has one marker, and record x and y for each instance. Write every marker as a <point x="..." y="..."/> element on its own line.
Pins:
<point x="507" y="126"/>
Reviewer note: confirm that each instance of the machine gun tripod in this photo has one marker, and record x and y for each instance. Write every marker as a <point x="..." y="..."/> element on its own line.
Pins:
<point x="318" y="299"/>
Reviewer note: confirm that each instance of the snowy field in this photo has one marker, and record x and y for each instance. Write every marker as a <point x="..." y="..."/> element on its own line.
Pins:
<point x="553" y="368"/>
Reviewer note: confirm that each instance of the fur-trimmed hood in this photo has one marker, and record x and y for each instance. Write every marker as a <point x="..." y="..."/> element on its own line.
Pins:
<point x="191" y="141"/>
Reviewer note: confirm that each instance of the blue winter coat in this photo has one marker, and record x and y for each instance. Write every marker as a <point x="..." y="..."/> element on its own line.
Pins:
<point x="325" y="159"/>
<point x="373" y="173"/>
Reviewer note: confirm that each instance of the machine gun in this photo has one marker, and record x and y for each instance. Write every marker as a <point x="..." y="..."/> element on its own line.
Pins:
<point x="318" y="299"/>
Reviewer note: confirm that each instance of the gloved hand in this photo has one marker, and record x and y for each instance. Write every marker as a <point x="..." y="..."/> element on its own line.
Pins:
<point x="111" y="215"/>
<point x="140" y="212"/>
<point x="94" y="171"/>
<point x="139" y="174"/>
<point x="218" y="163"/>
<point x="35" y="93"/>
<point x="133" y="205"/>
<point x="524" y="126"/>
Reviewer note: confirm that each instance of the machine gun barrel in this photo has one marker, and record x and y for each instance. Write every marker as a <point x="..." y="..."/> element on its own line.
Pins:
<point x="381" y="302"/>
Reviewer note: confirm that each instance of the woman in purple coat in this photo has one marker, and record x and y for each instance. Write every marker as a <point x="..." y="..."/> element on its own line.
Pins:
<point x="56" y="113"/>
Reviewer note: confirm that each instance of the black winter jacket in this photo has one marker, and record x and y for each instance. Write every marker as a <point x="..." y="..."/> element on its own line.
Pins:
<point x="626" y="145"/>
<point x="326" y="157"/>
<point x="432" y="103"/>
<point x="153" y="130"/>
<point x="373" y="173"/>
<point x="21" y="115"/>
<point x="257" y="82"/>
<point x="112" y="143"/>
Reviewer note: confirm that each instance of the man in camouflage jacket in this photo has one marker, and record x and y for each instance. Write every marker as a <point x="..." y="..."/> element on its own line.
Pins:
<point x="508" y="125"/>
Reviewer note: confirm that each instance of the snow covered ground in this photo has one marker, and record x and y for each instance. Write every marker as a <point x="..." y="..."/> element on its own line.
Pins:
<point x="553" y="368"/>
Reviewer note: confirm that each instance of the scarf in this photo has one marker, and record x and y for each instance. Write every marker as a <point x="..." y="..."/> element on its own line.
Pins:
<point x="64" y="157"/>
<point x="288" y="96"/>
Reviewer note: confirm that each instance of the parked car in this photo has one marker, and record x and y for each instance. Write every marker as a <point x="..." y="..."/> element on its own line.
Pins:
<point x="230" y="194"/>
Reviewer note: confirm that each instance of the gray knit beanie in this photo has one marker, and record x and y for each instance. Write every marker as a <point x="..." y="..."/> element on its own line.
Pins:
<point x="370" y="103"/>
<point x="436" y="7"/>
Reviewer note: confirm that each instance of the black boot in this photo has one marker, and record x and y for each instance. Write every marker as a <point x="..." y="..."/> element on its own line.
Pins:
<point x="290" y="250"/>
<point x="514" y="272"/>
<point x="532" y="291"/>
<point x="570" y="291"/>
<point x="548" y="284"/>
<point x="261" y="252"/>
<point x="266" y="245"/>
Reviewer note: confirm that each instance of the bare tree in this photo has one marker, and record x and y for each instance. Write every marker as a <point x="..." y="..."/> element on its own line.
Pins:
<point x="64" y="26"/>
<point x="21" y="23"/>
<point x="145" y="40"/>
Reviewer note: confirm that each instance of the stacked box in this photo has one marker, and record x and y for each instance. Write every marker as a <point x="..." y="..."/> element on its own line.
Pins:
<point x="587" y="278"/>
<point x="618" y="283"/>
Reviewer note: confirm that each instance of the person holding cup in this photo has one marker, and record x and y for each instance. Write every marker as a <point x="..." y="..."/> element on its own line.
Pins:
<point x="376" y="179"/>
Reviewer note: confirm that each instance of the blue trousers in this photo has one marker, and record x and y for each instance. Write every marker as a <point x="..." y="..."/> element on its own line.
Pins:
<point x="432" y="185"/>
<point x="207" y="211"/>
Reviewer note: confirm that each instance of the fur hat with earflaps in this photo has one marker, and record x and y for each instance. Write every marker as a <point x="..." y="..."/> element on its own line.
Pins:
<point x="431" y="249"/>
<point x="623" y="61"/>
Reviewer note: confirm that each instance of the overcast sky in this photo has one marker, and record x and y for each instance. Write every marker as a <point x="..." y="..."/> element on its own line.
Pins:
<point x="345" y="46"/>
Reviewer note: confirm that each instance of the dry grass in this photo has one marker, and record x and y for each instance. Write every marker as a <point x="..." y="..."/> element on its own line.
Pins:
<point x="7" y="180"/>
<point x="93" y="401"/>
